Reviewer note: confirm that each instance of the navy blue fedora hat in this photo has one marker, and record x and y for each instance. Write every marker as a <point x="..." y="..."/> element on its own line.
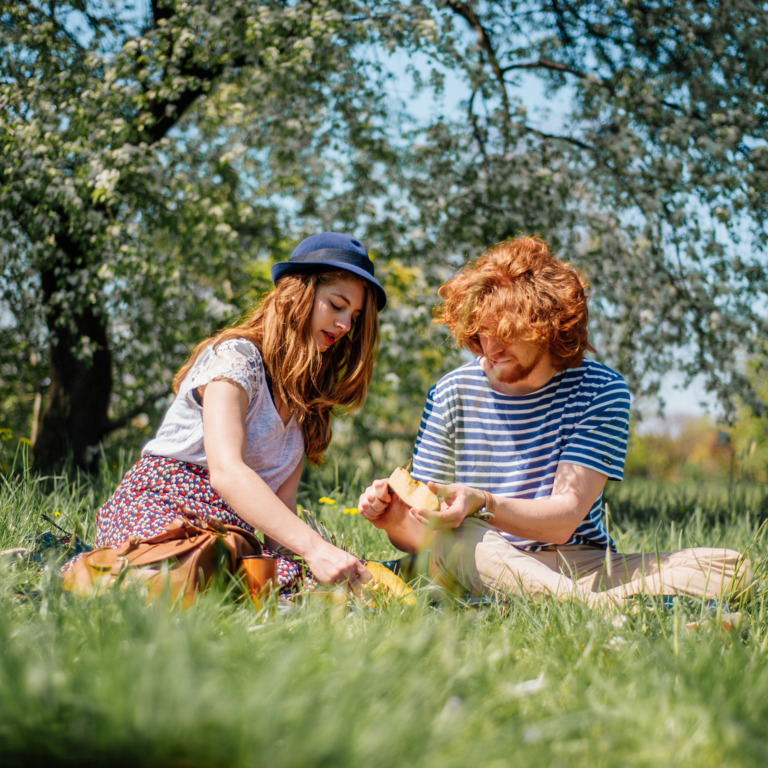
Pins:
<point x="331" y="250"/>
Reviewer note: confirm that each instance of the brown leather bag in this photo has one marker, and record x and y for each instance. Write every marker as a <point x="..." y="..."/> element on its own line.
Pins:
<point x="182" y="559"/>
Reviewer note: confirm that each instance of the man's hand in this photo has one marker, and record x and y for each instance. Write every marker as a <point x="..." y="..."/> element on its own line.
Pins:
<point x="458" y="502"/>
<point x="374" y="501"/>
<point x="386" y="510"/>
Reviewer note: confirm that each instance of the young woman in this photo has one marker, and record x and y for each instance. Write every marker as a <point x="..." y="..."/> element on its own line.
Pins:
<point x="252" y="401"/>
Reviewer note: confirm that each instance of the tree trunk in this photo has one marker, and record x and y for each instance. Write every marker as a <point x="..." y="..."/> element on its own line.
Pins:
<point x="75" y="418"/>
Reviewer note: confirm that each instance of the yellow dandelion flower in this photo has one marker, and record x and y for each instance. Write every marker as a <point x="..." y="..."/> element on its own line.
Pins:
<point x="350" y="511"/>
<point x="25" y="440"/>
<point x="57" y="513"/>
<point x="326" y="500"/>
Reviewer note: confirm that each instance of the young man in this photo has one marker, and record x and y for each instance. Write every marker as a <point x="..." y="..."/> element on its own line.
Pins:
<point x="525" y="436"/>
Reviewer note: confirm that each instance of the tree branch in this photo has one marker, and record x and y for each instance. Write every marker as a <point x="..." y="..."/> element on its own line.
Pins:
<point x="546" y="64"/>
<point x="483" y="38"/>
<point x="51" y="17"/>
<point x="567" y="139"/>
<point x="160" y="9"/>
<point x="161" y="115"/>
<point x="132" y="413"/>
<point x="475" y="126"/>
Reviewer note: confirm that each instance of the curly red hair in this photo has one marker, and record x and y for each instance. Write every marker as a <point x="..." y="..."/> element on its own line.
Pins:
<point x="519" y="291"/>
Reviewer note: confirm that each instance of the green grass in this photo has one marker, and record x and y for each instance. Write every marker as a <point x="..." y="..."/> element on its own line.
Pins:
<point x="112" y="681"/>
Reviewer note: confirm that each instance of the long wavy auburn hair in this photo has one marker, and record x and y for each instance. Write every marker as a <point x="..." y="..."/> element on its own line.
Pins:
<point x="519" y="291"/>
<point x="312" y="384"/>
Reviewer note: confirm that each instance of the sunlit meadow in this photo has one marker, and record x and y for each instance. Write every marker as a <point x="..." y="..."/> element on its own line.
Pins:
<point x="445" y="682"/>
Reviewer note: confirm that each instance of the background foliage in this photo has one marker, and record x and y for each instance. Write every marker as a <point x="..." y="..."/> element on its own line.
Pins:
<point x="156" y="157"/>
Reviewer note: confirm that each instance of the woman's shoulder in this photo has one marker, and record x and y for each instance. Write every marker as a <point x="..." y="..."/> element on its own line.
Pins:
<point x="236" y="346"/>
<point x="237" y="352"/>
<point x="236" y="359"/>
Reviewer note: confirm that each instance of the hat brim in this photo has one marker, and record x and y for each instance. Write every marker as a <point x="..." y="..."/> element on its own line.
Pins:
<point x="283" y="268"/>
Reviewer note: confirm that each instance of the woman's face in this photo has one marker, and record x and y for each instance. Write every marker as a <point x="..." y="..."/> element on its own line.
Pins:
<point x="337" y="305"/>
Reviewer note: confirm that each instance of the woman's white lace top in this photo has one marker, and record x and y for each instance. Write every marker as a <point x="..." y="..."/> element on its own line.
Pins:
<point x="273" y="449"/>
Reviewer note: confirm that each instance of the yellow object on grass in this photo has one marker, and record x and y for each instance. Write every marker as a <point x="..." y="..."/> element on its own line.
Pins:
<point x="386" y="583"/>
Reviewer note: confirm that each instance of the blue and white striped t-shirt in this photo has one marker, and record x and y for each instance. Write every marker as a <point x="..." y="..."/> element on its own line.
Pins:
<point x="511" y="445"/>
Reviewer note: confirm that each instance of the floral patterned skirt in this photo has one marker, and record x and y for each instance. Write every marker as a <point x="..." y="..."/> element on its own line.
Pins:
<point x="151" y="495"/>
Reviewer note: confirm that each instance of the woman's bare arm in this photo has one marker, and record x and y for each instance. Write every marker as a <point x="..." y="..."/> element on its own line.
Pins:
<point x="224" y="410"/>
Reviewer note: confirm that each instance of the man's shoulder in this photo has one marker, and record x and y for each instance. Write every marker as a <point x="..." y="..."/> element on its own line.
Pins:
<point x="594" y="371"/>
<point x="470" y="374"/>
<point x="598" y="377"/>
<point x="469" y="371"/>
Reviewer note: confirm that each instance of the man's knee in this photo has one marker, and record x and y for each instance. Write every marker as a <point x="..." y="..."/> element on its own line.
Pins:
<point x="454" y="555"/>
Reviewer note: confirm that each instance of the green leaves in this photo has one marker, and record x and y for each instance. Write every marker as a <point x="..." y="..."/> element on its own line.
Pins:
<point x="630" y="136"/>
<point x="151" y="166"/>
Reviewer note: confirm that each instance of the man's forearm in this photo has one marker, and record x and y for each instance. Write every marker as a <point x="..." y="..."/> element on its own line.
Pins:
<point x="553" y="519"/>
<point x="403" y="531"/>
<point x="556" y="517"/>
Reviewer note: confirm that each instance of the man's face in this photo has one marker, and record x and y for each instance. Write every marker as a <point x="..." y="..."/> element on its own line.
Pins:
<point x="510" y="363"/>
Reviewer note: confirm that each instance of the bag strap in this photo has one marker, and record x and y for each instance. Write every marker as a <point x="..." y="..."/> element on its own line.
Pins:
<point x="180" y="537"/>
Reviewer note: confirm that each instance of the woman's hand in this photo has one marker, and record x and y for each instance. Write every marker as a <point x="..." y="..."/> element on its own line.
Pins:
<point x="331" y="565"/>
<point x="224" y="412"/>
<point x="458" y="502"/>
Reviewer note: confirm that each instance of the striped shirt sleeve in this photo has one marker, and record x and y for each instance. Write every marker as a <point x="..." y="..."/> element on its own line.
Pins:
<point x="434" y="452"/>
<point x="599" y="440"/>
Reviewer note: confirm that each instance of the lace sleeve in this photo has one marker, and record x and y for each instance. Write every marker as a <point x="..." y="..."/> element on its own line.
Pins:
<point x="236" y="360"/>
